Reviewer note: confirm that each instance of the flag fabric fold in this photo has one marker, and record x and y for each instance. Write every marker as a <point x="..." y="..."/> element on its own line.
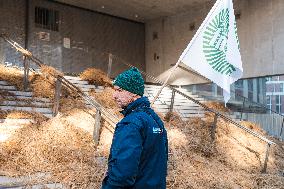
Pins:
<point x="214" y="50"/>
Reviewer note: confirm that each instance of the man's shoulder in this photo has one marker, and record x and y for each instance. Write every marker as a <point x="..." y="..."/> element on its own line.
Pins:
<point x="138" y="118"/>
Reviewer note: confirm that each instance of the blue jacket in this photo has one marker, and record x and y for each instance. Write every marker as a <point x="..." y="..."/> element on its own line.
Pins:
<point x="139" y="151"/>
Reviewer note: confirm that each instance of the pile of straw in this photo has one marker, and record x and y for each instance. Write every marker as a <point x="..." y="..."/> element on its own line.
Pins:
<point x="14" y="114"/>
<point x="62" y="147"/>
<point x="96" y="77"/>
<point x="105" y="97"/>
<point x="13" y="76"/>
<point x="233" y="160"/>
<point x="42" y="86"/>
<point x="48" y="70"/>
<point x="217" y="106"/>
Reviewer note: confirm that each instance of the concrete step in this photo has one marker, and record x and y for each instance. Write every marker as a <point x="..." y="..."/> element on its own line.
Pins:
<point x="88" y="90"/>
<point x="88" y="86"/>
<point x="76" y="80"/>
<point x="169" y="96"/>
<point x="19" y="182"/>
<point x="21" y="93"/>
<point x="28" y="109"/>
<point x="168" y="100"/>
<point x="35" y="99"/>
<point x="25" y="103"/>
<point x="72" y="78"/>
<point x="164" y="106"/>
<point x="10" y="121"/>
<point x="177" y="103"/>
<point x="8" y="87"/>
<point x="4" y="83"/>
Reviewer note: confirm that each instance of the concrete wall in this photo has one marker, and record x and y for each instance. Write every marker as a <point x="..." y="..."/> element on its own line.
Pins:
<point x="12" y="21"/>
<point x="260" y="30"/>
<point x="92" y="36"/>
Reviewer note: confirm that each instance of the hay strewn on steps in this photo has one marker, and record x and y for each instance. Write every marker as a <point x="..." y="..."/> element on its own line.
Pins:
<point x="96" y="77"/>
<point x="42" y="85"/>
<point x="234" y="160"/>
<point x="63" y="147"/>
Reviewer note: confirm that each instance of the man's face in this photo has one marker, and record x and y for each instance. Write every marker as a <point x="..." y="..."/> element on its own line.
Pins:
<point x="123" y="97"/>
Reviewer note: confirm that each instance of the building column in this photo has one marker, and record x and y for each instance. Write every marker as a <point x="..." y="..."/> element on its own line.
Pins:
<point x="254" y="92"/>
<point x="214" y="90"/>
<point x="262" y="91"/>
<point x="245" y="88"/>
<point x="233" y="91"/>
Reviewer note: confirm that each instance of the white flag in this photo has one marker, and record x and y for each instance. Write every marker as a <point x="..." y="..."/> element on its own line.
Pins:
<point x="214" y="50"/>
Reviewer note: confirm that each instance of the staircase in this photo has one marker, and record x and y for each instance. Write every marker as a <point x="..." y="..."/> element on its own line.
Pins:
<point x="183" y="106"/>
<point x="12" y="99"/>
<point x="84" y="85"/>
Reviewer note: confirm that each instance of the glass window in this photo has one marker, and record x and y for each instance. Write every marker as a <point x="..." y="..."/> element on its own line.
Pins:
<point x="268" y="78"/>
<point x="46" y="18"/>
<point x="269" y="102"/>
<point x="281" y="87"/>
<point x="278" y="104"/>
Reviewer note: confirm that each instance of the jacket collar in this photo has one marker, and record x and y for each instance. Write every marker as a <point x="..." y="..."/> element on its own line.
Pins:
<point x="138" y="104"/>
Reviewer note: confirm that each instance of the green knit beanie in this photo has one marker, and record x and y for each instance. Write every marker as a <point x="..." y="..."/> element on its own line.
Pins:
<point x="131" y="80"/>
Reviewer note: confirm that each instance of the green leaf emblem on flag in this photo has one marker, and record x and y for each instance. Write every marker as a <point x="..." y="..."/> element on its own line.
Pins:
<point x="215" y="39"/>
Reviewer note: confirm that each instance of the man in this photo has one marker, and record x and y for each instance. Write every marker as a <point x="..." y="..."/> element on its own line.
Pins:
<point x="139" y="150"/>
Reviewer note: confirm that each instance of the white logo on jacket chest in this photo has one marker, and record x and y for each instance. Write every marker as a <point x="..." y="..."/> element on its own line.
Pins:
<point x="157" y="130"/>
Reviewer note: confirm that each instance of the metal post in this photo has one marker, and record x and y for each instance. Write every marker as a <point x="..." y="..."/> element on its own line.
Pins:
<point x="57" y="97"/>
<point x="266" y="159"/>
<point x="243" y="106"/>
<point x="26" y="73"/>
<point x="281" y="128"/>
<point x="109" y="65"/>
<point x="97" y="127"/>
<point x="213" y="128"/>
<point x="172" y="101"/>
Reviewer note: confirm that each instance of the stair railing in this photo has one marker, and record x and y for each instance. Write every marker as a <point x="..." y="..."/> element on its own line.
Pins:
<point x="216" y="114"/>
<point x="60" y="80"/>
<point x="112" y="119"/>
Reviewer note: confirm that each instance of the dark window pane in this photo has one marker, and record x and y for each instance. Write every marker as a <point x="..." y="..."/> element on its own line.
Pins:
<point x="46" y="18"/>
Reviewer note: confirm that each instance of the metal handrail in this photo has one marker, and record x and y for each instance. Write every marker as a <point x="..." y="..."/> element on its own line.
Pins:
<point x="201" y="104"/>
<point x="109" y="117"/>
<point x="77" y="90"/>
<point x="262" y="105"/>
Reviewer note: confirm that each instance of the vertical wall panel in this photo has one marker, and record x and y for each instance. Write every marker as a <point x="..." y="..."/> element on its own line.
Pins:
<point x="12" y="22"/>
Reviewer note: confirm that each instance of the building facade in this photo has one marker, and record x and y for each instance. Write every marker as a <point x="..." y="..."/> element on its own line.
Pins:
<point x="69" y="38"/>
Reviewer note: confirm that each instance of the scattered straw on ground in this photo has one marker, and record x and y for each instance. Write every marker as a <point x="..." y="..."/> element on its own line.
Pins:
<point x="59" y="147"/>
<point x="233" y="160"/>
<point x="42" y="86"/>
<point x="63" y="147"/>
<point x="13" y="76"/>
<point x="217" y="106"/>
<point x="105" y="97"/>
<point x="48" y="70"/>
<point x="38" y="117"/>
<point x="69" y="103"/>
<point x="96" y="77"/>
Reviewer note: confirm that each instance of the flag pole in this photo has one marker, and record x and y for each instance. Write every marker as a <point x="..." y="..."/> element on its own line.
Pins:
<point x="165" y="83"/>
